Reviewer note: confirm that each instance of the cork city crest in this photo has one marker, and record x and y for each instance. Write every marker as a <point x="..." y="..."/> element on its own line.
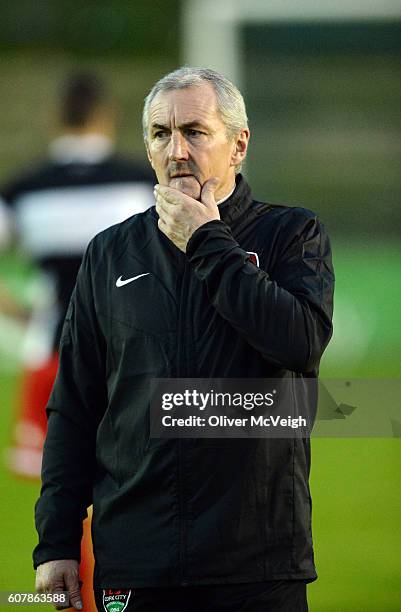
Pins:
<point x="254" y="258"/>
<point x="116" y="600"/>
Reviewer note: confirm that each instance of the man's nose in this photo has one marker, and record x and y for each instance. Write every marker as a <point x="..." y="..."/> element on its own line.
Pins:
<point x="178" y="146"/>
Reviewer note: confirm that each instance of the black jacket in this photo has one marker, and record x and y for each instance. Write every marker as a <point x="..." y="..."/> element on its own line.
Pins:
<point x="171" y="512"/>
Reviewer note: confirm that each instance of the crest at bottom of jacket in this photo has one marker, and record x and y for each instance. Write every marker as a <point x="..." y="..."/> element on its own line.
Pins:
<point x="116" y="600"/>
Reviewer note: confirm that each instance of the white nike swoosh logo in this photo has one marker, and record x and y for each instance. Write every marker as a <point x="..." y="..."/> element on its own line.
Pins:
<point x="120" y="282"/>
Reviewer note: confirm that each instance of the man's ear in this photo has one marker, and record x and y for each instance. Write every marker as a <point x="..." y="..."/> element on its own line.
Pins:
<point x="240" y="147"/>
<point x="148" y="153"/>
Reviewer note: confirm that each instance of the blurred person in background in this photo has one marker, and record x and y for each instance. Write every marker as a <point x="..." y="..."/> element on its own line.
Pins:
<point x="209" y="283"/>
<point x="51" y="211"/>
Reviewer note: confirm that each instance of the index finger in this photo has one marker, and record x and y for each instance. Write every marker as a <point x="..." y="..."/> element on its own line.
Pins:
<point x="173" y="196"/>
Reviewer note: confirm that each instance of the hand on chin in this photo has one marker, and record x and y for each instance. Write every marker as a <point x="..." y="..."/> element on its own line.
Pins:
<point x="188" y="185"/>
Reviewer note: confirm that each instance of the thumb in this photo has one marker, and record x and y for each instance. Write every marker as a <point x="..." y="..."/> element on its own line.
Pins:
<point x="74" y="592"/>
<point x="208" y="189"/>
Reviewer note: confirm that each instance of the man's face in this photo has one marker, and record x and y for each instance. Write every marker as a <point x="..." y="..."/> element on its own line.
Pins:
<point x="187" y="141"/>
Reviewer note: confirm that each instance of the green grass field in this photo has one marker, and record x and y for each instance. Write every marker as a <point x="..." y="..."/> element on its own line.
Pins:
<point x="355" y="482"/>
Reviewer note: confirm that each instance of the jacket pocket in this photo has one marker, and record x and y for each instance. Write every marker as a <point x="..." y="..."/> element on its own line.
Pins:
<point x="134" y="360"/>
<point x="107" y="455"/>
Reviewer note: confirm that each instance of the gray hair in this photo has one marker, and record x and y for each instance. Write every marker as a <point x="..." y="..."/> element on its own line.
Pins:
<point x="230" y="102"/>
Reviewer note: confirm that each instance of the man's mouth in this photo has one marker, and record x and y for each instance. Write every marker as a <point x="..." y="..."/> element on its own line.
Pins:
<point x="186" y="182"/>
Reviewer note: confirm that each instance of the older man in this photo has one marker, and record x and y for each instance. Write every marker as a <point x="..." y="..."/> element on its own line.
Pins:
<point x="209" y="283"/>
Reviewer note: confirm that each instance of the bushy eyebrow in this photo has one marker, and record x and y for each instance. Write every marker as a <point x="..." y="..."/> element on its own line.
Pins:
<point x="158" y="126"/>
<point x="184" y="126"/>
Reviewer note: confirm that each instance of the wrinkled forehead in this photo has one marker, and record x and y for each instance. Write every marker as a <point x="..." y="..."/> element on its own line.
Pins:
<point x="195" y="104"/>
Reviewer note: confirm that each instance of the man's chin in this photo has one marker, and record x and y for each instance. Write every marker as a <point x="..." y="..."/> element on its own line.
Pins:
<point x="188" y="185"/>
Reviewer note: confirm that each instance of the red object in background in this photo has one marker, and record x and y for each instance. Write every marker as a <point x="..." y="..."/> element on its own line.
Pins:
<point x="29" y="429"/>
<point x="87" y="566"/>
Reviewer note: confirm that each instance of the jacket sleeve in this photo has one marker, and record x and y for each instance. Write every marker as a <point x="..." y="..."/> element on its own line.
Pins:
<point x="75" y="408"/>
<point x="284" y="312"/>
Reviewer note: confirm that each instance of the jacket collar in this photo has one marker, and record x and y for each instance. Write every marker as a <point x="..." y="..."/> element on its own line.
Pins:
<point x="238" y="203"/>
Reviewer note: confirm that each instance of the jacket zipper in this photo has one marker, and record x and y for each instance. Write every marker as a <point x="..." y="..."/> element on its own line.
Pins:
<point x="182" y="373"/>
